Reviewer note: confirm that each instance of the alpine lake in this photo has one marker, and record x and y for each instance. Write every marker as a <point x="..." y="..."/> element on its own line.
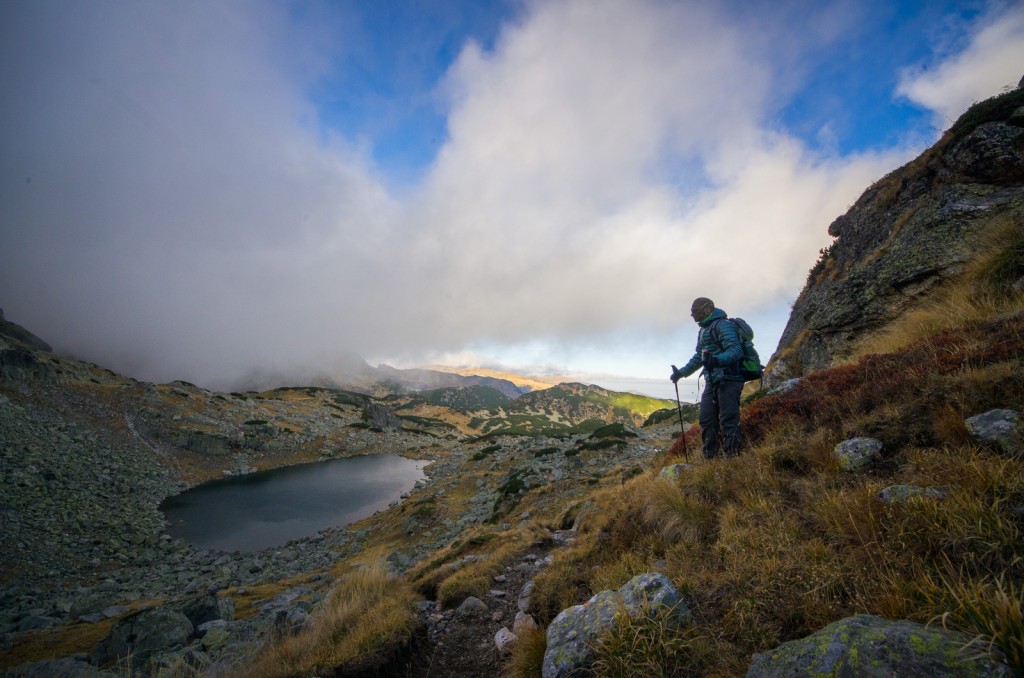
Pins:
<point x="268" y="509"/>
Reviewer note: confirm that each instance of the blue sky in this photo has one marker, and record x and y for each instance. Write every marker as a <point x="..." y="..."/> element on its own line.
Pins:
<point x="215" y="190"/>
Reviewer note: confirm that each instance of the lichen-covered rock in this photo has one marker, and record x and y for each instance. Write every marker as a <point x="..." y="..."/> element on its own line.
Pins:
<point x="998" y="428"/>
<point x="142" y="636"/>
<point x="674" y="472"/>
<point x="868" y="646"/>
<point x="572" y="634"/>
<point x="900" y="494"/>
<point x="856" y="454"/>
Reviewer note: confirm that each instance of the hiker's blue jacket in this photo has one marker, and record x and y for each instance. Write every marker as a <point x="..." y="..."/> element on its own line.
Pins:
<point x="722" y="341"/>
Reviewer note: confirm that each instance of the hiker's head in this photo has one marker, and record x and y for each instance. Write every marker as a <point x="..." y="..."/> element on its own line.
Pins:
<point x="701" y="308"/>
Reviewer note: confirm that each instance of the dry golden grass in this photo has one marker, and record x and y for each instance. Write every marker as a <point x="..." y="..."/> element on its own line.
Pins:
<point x="648" y="645"/>
<point x="527" y="657"/>
<point x="366" y="619"/>
<point x="993" y="606"/>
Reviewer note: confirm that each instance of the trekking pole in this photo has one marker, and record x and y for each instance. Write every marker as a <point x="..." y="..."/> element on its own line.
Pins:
<point x="682" y="428"/>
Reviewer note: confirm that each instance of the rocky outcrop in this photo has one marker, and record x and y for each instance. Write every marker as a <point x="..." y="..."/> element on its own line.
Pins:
<point x="869" y="646"/>
<point x="907" y="234"/>
<point x="381" y="417"/>
<point x="18" y="332"/>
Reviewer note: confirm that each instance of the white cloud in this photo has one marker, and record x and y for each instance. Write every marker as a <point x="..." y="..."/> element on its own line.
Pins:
<point x="993" y="60"/>
<point x="607" y="161"/>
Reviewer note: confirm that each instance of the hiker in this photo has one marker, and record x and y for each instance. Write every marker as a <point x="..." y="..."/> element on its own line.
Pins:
<point x="720" y="352"/>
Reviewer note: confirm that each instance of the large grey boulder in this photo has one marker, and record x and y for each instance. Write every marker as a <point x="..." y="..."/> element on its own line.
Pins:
<point x="997" y="428"/>
<point x="381" y="417"/>
<point x="142" y="636"/>
<point x="869" y="646"/>
<point x="200" y="608"/>
<point x="574" y="631"/>
<point x="857" y="454"/>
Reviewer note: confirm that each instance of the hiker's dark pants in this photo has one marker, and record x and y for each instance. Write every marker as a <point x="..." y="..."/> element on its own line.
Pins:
<point x="720" y="419"/>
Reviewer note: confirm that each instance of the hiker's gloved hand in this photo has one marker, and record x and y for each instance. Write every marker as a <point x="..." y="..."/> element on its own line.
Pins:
<point x="677" y="374"/>
<point x="711" y="361"/>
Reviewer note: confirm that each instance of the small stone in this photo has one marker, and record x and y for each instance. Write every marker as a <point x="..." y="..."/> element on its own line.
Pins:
<point x="471" y="607"/>
<point x="525" y="597"/>
<point x="523" y="623"/>
<point x="504" y="640"/>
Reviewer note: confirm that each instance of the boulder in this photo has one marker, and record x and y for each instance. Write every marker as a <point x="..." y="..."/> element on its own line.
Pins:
<point x="573" y="633"/>
<point x="22" y="364"/>
<point x="857" y="454"/>
<point x="870" y="646"/>
<point x="504" y="640"/>
<point x="523" y="623"/>
<point x="471" y="607"/>
<point x="204" y="607"/>
<point x="380" y="416"/>
<point x="525" y="601"/>
<point x="142" y="636"/>
<point x="999" y="429"/>
<point x="673" y="472"/>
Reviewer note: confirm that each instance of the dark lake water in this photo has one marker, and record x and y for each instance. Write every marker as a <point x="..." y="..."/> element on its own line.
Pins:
<point x="267" y="509"/>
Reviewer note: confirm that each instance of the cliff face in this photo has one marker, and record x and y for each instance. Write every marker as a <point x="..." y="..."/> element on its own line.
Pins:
<point x="908" y="234"/>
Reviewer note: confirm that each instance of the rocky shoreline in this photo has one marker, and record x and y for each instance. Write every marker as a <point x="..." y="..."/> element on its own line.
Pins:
<point x="84" y="539"/>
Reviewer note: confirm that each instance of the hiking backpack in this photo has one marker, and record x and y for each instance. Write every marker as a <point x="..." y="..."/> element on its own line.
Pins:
<point x="750" y="365"/>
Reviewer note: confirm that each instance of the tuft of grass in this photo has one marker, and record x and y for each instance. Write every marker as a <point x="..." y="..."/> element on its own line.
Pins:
<point x="527" y="657"/>
<point x="366" y="620"/>
<point x="677" y="515"/>
<point x="647" y="645"/>
<point x="992" y="607"/>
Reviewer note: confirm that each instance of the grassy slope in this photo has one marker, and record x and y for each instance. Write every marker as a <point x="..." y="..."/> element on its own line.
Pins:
<point x="781" y="542"/>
